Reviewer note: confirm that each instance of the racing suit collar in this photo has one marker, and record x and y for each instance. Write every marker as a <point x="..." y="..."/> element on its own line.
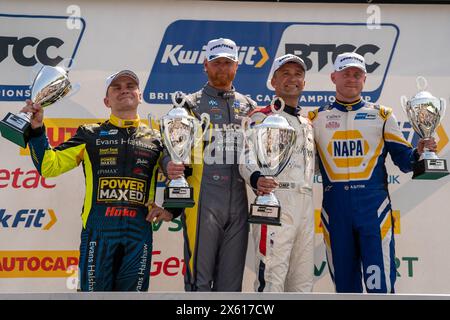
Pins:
<point x="292" y="111"/>
<point x="218" y="93"/>
<point x="349" y="106"/>
<point x="124" y="123"/>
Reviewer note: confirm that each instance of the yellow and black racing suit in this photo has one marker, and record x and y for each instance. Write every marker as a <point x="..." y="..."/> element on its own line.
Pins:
<point x="120" y="161"/>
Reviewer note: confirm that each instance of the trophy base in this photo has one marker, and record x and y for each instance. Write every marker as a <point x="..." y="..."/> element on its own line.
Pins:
<point x="264" y="214"/>
<point x="178" y="197"/>
<point x="15" y="129"/>
<point x="430" y="169"/>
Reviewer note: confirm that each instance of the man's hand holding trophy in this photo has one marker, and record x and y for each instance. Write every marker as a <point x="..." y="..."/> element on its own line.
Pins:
<point x="50" y="85"/>
<point x="425" y="113"/>
<point x="180" y="133"/>
<point x="271" y="142"/>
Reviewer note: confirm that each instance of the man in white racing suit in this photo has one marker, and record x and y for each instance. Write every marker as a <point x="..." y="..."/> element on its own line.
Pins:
<point x="285" y="254"/>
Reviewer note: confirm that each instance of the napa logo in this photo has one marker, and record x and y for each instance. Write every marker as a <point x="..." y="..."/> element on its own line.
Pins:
<point x="178" y="65"/>
<point x="348" y="148"/>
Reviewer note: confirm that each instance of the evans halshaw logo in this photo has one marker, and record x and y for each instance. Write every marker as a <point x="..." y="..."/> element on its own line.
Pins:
<point x="26" y="40"/>
<point x="178" y="64"/>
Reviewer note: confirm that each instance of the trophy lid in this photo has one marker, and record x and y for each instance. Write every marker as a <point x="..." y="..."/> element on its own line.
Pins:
<point x="424" y="97"/>
<point x="178" y="112"/>
<point x="274" y="121"/>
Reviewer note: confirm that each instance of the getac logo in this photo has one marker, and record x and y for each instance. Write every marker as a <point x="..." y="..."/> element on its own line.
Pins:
<point x="41" y="50"/>
<point x="34" y="39"/>
<point x="177" y="55"/>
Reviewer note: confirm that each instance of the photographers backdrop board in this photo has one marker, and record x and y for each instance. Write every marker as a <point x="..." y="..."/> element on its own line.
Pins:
<point x="40" y="218"/>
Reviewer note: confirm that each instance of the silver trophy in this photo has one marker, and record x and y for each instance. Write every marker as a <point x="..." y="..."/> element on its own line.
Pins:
<point x="49" y="86"/>
<point x="425" y="113"/>
<point x="272" y="142"/>
<point x="180" y="132"/>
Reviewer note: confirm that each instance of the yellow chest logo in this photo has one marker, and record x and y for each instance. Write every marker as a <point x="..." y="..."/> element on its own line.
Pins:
<point x="347" y="148"/>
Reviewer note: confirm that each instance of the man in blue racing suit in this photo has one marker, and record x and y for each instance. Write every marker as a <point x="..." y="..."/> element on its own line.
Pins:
<point x="353" y="138"/>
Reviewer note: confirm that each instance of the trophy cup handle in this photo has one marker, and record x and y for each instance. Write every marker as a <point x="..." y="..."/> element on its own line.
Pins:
<point x="404" y="103"/>
<point x="245" y="127"/>
<point x="178" y="99"/>
<point x="272" y="105"/>
<point x="66" y="63"/>
<point x="421" y="83"/>
<point x="203" y="123"/>
<point x="443" y="107"/>
<point x="150" y="120"/>
<point x="75" y="88"/>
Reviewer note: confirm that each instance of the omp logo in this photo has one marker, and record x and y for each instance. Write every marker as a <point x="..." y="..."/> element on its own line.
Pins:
<point x="412" y="137"/>
<point x="26" y="40"/>
<point x="37" y="264"/>
<point x="177" y="54"/>
<point x="347" y="148"/>
<point x="28" y="218"/>
<point x="318" y="228"/>
<point x="182" y="54"/>
<point x="60" y="129"/>
<point x="121" y="189"/>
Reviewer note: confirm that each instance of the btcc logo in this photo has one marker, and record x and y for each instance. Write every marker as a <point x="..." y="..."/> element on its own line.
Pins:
<point x="121" y="190"/>
<point x="323" y="50"/>
<point x="42" y="47"/>
<point x="177" y="54"/>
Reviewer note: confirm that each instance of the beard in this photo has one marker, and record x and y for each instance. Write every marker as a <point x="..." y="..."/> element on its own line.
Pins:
<point x="221" y="79"/>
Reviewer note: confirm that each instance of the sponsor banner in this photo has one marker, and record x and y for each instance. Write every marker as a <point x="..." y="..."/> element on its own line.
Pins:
<point x="37" y="264"/>
<point x="28" y="40"/>
<point x="171" y="267"/>
<point x="182" y="52"/>
<point x="43" y="219"/>
<point x="111" y="189"/>
<point x="64" y="263"/>
<point x="19" y="178"/>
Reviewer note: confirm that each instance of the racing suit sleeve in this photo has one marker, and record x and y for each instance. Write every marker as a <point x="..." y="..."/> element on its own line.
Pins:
<point x="248" y="168"/>
<point x="52" y="162"/>
<point x="402" y="153"/>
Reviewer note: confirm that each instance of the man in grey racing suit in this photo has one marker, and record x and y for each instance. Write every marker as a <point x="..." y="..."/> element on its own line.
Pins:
<point x="216" y="228"/>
